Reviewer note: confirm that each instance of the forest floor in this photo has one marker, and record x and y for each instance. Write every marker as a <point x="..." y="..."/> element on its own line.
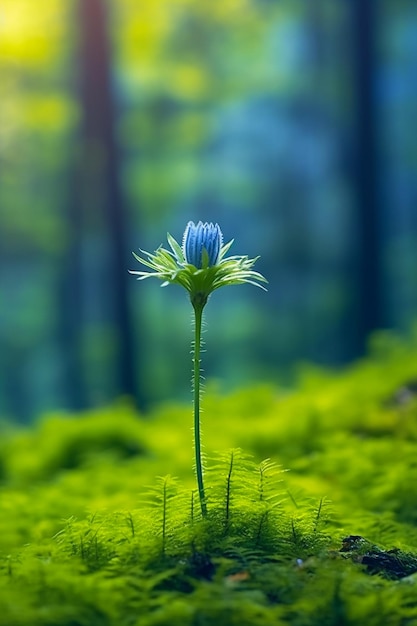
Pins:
<point x="311" y="495"/>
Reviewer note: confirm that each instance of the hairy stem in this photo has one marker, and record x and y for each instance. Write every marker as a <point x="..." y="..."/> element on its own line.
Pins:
<point x="164" y="515"/>
<point x="198" y="311"/>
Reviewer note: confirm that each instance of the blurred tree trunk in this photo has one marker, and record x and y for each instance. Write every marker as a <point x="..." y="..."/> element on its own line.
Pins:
<point x="17" y="398"/>
<point x="101" y="190"/>
<point x="369" y="270"/>
<point x="70" y="305"/>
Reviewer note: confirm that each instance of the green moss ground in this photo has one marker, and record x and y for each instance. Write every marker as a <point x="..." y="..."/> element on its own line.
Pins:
<point x="95" y="532"/>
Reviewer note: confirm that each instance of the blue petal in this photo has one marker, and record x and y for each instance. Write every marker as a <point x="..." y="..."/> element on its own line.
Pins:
<point x="203" y="236"/>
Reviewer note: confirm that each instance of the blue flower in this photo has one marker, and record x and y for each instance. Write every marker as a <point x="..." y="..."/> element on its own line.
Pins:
<point x="200" y="265"/>
<point x="202" y="244"/>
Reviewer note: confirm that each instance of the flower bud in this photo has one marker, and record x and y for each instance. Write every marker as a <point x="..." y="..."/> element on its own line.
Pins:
<point x="202" y="244"/>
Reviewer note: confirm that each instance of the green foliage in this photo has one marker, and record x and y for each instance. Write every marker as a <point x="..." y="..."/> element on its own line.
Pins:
<point x="84" y="542"/>
<point x="61" y="442"/>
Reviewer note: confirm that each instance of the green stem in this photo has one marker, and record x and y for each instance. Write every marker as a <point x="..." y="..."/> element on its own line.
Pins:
<point x="164" y="515"/>
<point x="198" y="311"/>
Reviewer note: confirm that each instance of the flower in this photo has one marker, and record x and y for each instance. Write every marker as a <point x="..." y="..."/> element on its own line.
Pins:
<point x="200" y="265"/>
<point x="202" y="243"/>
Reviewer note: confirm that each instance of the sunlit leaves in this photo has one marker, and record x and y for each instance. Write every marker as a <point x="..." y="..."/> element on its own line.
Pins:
<point x="30" y="31"/>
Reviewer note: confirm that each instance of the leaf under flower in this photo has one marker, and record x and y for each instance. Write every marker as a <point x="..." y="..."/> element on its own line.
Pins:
<point x="172" y="268"/>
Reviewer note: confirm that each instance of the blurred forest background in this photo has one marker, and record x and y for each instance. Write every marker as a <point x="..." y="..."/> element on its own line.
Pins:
<point x="289" y="122"/>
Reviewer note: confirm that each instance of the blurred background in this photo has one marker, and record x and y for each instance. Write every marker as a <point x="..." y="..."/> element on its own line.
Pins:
<point x="290" y="123"/>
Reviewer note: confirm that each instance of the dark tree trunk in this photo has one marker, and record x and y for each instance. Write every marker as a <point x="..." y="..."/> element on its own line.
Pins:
<point x="100" y="172"/>
<point x="18" y="401"/>
<point x="70" y="304"/>
<point x="364" y="27"/>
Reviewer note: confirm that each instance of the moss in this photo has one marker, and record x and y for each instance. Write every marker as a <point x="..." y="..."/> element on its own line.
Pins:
<point x="60" y="442"/>
<point x="89" y="536"/>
